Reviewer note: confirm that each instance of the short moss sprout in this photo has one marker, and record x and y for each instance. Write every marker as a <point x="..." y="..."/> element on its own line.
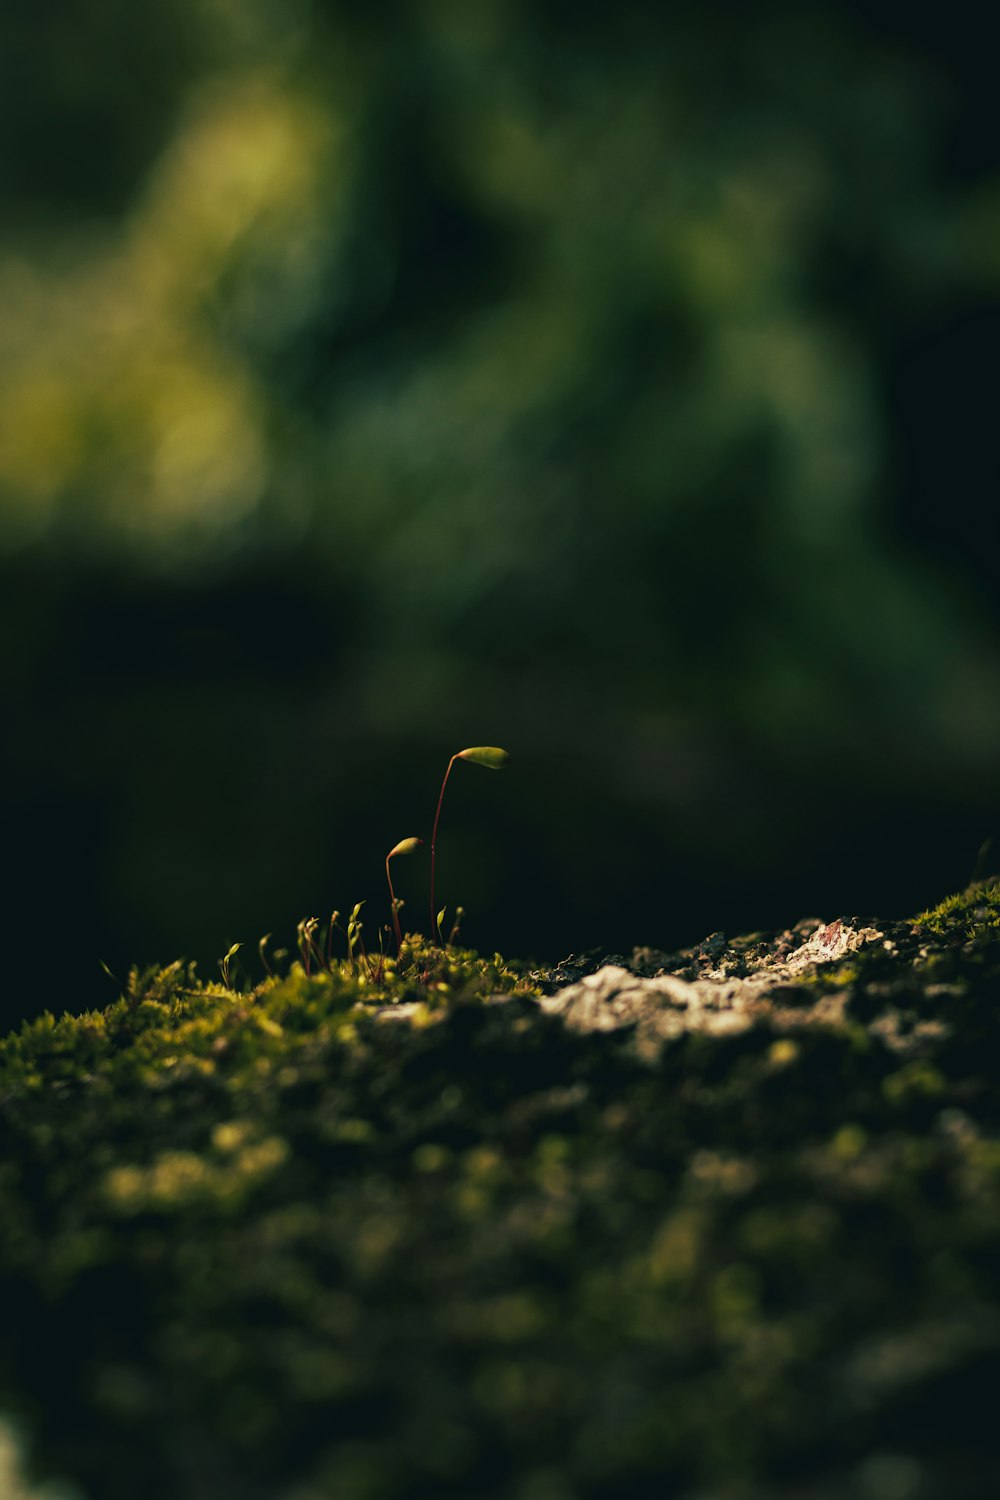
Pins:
<point x="224" y="965"/>
<point x="494" y="759"/>
<point x="354" y="926"/>
<point x="405" y="846"/>
<point x="309" y="951"/>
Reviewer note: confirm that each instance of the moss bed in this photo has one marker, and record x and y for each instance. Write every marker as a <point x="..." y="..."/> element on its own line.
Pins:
<point x="335" y="1240"/>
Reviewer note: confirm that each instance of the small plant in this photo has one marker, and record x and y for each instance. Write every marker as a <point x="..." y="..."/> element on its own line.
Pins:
<point x="225" y="962"/>
<point x="262" y="950"/>
<point x="405" y="846"/>
<point x="354" y="927"/>
<point x="494" y="759"/>
<point x="334" y="926"/>
<point x="309" y="950"/>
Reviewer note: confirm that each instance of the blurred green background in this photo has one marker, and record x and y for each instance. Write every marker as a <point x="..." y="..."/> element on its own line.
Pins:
<point x="614" y="384"/>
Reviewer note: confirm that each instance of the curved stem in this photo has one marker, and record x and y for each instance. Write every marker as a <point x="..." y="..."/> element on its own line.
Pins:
<point x="435" y="930"/>
<point x="395" y="913"/>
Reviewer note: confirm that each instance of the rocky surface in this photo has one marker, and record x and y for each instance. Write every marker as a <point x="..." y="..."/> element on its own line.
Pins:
<point x="732" y="994"/>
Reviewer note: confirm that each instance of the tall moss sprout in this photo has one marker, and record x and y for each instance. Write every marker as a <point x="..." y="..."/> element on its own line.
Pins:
<point x="494" y="759"/>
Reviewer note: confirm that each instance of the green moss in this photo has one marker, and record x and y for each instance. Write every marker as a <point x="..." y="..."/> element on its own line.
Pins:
<point x="284" y="1243"/>
<point x="967" y="913"/>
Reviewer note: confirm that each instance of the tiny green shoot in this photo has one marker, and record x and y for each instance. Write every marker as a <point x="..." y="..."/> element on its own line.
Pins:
<point x="354" y="927"/>
<point x="405" y="846"/>
<point x="262" y="949"/>
<point x="456" y="926"/>
<point x="333" y="927"/>
<point x="308" y="950"/>
<point x="225" y="962"/>
<point x="494" y="759"/>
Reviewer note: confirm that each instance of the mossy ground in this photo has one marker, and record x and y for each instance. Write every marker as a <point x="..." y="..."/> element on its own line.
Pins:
<point x="337" y="1241"/>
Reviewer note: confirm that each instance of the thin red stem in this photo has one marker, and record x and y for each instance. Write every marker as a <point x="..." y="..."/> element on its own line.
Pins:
<point x="435" y="929"/>
<point x="395" y="914"/>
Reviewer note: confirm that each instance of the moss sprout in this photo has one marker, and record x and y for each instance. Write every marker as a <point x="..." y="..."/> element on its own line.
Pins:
<point x="494" y="759"/>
